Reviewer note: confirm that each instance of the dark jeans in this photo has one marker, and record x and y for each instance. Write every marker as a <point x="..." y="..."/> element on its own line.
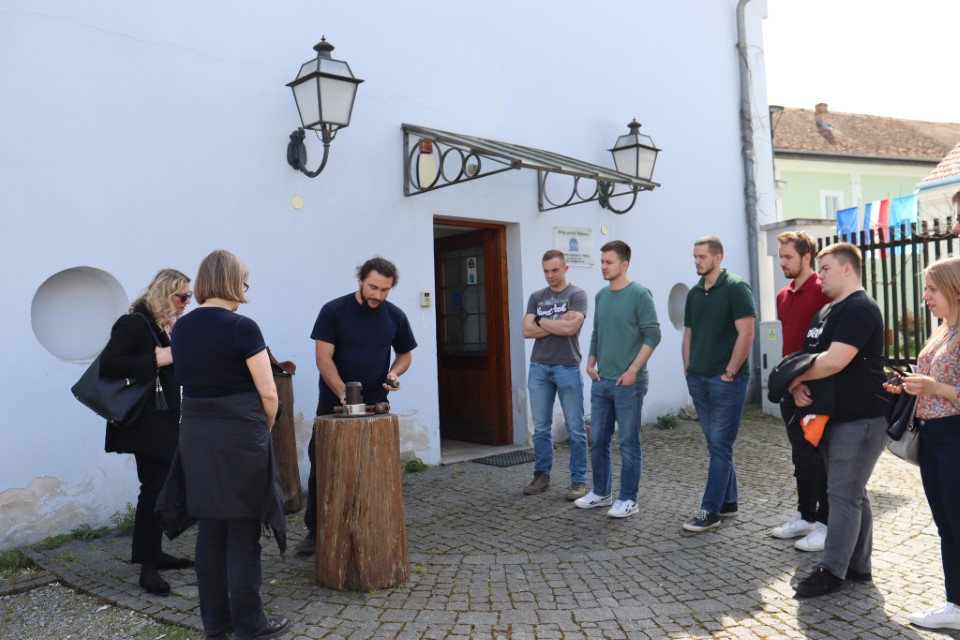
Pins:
<point x="719" y="406"/>
<point x="310" y="511"/>
<point x="146" y="530"/>
<point x="228" y="577"/>
<point x="811" y="475"/>
<point x="940" y="471"/>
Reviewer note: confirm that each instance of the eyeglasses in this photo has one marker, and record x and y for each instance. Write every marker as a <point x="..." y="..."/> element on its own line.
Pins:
<point x="246" y="287"/>
<point x="184" y="297"/>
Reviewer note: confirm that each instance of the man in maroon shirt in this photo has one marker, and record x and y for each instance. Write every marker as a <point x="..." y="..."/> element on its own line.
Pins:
<point x="796" y="305"/>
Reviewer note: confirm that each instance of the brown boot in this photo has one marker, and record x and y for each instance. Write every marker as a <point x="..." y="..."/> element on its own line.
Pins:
<point x="540" y="483"/>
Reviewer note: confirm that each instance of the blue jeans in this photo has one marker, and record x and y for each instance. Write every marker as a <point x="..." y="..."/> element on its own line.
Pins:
<point x="719" y="408"/>
<point x="544" y="384"/>
<point x="612" y="403"/>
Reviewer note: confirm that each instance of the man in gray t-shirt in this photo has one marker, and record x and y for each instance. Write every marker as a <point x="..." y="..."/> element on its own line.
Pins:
<point x="554" y="317"/>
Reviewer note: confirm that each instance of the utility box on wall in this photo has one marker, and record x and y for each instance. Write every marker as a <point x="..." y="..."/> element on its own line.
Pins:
<point x="771" y="352"/>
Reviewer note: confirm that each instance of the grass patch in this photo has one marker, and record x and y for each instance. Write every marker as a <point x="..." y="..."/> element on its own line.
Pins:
<point x="12" y="562"/>
<point x="415" y="466"/>
<point x="667" y="421"/>
<point x="123" y="520"/>
<point x="82" y="532"/>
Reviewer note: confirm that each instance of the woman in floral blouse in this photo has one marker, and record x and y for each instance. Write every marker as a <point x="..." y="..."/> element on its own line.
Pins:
<point x="937" y="387"/>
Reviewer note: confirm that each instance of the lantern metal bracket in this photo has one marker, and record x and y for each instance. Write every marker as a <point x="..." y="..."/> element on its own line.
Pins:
<point x="457" y="158"/>
<point x="297" y="151"/>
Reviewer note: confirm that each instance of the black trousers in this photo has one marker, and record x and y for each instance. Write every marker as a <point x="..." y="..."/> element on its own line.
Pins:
<point x="811" y="475"/>
<point x="147" y="535"/>
<point x="229" y="576"/>
<point x="940" y="472"/>
<point x="310" y="511"/>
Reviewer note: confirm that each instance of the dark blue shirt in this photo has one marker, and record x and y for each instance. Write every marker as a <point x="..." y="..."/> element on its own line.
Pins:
<point x="210" y="347"/>
<point x="362" y="339"/>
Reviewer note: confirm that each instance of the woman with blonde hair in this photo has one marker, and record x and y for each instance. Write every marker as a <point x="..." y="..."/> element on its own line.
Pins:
<point x="231" y="481"/>
<point x="937" y="387"/>
<point x="139" y="347"/>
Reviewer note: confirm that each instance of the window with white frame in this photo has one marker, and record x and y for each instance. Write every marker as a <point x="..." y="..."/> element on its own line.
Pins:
<point x="830" y="203"/>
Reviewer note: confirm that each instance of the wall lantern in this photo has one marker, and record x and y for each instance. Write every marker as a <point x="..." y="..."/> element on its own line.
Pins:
<point x="324" y="90"/>
<point x="634" y="154"/>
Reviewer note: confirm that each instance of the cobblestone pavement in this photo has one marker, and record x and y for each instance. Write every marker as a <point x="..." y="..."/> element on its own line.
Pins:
<point x="488" y="562"/>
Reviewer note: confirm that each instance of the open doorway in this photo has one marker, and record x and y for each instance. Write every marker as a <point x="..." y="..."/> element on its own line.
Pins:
<point x="473" y="355"/>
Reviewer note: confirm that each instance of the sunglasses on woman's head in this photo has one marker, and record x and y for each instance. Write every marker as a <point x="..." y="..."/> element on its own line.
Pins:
<point x="184" y="297"/>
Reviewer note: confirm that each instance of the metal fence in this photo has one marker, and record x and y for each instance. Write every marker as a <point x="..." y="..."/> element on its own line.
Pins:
<point x="893" y="265"/>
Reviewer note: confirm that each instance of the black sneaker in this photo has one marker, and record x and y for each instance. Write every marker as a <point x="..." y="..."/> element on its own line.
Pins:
<point x="819" y="583"/>
<point x="702" y="521"/>
<point x="858" y="576"/>
<point x="729" y="509"/>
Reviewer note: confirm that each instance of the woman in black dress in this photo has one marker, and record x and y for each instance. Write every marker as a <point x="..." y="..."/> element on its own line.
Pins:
<point x="132" y="352"/>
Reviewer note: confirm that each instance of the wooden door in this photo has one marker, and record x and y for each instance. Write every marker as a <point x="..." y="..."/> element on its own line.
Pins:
<point x="473" y="359"/>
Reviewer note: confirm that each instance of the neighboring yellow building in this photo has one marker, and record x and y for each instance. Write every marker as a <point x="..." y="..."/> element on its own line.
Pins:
<point x="825" y="162"/>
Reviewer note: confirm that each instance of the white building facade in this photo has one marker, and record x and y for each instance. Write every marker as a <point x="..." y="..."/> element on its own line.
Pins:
<point x="138" y="136"/>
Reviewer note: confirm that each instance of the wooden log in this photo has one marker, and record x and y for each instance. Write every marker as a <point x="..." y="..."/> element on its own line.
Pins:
<point x="285" y="446"/>
<point x="361" y="534"/>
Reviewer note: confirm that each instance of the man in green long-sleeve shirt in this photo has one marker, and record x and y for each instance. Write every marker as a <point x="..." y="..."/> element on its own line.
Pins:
<point x="625" y="333"/>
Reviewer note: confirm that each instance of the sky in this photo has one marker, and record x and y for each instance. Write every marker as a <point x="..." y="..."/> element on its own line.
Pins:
<point x="896" y="58"/>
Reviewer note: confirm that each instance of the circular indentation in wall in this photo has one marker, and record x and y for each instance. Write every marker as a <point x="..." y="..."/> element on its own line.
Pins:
<point x="73" y="310"/>
<point x="676" y="303"/>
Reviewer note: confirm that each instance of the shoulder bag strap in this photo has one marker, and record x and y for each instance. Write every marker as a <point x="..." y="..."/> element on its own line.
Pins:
<point x="152" y="332"/>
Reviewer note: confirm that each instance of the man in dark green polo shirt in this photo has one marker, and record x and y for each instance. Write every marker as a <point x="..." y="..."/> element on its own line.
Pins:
<point x="718" y="332"/>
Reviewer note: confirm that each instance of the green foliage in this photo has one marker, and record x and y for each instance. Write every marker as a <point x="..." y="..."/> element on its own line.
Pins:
<point x="667" y="421"/>
<point x="82" y="532"/>
<point x="12" y="562"/>
<point x="123" y="520"/>
<point x="415" y="466"/>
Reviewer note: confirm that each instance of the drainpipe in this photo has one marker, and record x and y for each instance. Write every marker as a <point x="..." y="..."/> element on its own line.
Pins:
<point x="749" y="189"/>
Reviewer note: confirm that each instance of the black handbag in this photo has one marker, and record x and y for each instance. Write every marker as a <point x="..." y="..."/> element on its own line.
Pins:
<point x="118" y="400"/>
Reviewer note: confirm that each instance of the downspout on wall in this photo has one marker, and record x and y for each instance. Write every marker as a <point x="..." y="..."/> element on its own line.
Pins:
<point x="749" y="189"/>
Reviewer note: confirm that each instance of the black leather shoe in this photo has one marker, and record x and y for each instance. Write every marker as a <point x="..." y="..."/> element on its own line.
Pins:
<point x="168" y="561"/>
<point x="151" y="581"/>
<point x="857" y="576"/>
<point x="307" y="546"/>
<point x="221" y="635"/>
<point x="275" y="627"/>
<point x="819" y="583"/>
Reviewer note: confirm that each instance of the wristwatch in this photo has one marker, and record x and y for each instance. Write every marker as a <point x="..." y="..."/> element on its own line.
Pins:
<point x="730" y="374"/>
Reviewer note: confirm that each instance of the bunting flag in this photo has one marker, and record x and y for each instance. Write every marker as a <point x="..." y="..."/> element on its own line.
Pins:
<point x="903" y="211"/>
<point x="875" y="216"/>
<point x="847" y="222"/>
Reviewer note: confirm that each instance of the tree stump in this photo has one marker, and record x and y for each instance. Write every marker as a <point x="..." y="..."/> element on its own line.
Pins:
<point x="361" y="534"/>
<point x="285" y="446"/>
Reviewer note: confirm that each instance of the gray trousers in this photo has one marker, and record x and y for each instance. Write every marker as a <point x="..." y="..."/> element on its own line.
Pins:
<point x="850" y="451"/>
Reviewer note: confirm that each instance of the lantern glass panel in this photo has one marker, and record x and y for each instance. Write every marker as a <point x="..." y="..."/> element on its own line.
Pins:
<point x="308" y="102"/>
<point x="646" y="158"/>
<point x="336" y="100"/>
<point x="625" y="159"/>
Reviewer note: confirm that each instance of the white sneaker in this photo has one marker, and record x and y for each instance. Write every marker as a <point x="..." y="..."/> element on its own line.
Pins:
<point x="793" y="528"/>
<point x="592" y="500"/>
<point x="946" y="616"/>
<point x="623" y="509"/>
<point x="814" y="540"/>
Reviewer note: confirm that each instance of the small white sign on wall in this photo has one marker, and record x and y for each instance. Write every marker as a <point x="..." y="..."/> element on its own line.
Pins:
<point x="471" y="270"/>
<point x="576" y="244"/>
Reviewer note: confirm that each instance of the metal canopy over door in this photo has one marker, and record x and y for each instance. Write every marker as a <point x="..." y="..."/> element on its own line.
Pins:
<point x="473" y="360"/>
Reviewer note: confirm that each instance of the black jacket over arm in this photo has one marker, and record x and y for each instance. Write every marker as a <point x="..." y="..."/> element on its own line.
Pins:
<point x="130" y="353"/>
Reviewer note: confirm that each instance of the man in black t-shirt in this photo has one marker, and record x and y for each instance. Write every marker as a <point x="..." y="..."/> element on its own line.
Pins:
<point x="848" y="336"/>
<point x="354" y="336"/>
